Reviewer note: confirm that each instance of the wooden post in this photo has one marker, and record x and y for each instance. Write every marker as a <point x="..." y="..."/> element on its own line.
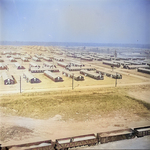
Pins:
<point x="116" y="80"/>
<point x="72" y="81"/>
<point x="20" y="84"/>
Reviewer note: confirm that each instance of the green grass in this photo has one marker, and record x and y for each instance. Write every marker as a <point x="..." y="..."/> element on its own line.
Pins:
<point x="73" y="105"/>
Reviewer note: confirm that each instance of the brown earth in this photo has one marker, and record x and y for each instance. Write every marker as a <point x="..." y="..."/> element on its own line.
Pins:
<point x="17" y="129"/>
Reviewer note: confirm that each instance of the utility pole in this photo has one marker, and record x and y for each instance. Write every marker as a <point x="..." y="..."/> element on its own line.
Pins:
<point x="20" y="84"/>
<point x="112" y="67"/>
<point x="72" y="81"/>
<point x="53" y="64"/>
<point x="116" y="80"/>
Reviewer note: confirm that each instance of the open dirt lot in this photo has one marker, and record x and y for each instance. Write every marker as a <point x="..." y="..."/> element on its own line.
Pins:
<point x="52" y="115"/>
<point x="50" y="110"/>
<point x="142" y="95"/>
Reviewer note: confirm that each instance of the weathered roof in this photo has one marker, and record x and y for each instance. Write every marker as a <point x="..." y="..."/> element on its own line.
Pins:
<point x="138" y="66"/>
<point x="27" y="56"/>
<point x="58" y="58"/>
<point x="111" y="63"/>
<point x="90" y="72"/>
<point x="77" y="63"/>
<point x="133" y="62"/>
<point x="6" y="52"/>
<point x="41" y="68"/>
<point x="17" y="56"/>
<point x="143" y="69"/>
<point x="84" y="68"/>
<point x="17" y="64"/>
<point x="11" y="58"/>
<point x="6" y="75"/>
<point x="28" y="75"/>
<point x="47" y="58"/>
<point x="48" y="64"/>
<point x="35" y="58"/>
<point x="74" y="67"/>
<point x="62" y="63"/>
<point x="24" y="58"/>
<point x="70" y="73"/>
<point x="120" y="62"/>
<point x="108" y="72"/>
<point x="33" y="64"/>
<point x="38" y="56"/>
<point x="51" y="74"/>
<point x="86" y="57"/>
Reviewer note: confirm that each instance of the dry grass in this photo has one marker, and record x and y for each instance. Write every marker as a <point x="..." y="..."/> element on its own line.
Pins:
<point x="75" y="105"/>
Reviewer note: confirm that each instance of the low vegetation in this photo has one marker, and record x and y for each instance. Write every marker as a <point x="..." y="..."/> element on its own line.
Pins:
<point x="74" y="105"/>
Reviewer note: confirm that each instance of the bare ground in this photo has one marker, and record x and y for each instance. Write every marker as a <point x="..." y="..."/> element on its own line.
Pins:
<point x="142" y="95"/>
<point x="17" y="129"/>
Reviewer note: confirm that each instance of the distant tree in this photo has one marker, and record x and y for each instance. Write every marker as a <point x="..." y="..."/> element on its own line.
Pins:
<point x="115" y="54"/>
<point x="108" y="50"/>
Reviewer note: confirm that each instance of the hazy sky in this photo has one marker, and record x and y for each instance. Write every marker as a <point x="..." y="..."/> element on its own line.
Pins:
<point x="91" y="21"/>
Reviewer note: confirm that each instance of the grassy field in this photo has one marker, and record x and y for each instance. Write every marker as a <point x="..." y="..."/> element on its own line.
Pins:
<point x="76" y="105"/>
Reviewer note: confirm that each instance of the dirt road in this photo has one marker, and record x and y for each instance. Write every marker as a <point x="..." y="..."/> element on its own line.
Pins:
<point x="30" y="130"/>
<point x="70" y="88"/>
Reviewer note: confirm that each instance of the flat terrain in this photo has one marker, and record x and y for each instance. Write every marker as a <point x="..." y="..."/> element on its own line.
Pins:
<point x="70" y="105"/>
<point x="130" y="77"/>
<point x="51" y="115"/>
<point x="50" y="110"/>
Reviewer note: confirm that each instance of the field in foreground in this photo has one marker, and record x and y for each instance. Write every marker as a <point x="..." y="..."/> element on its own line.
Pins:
<point x="74" y="105"/>
<point x="31" y="117"/>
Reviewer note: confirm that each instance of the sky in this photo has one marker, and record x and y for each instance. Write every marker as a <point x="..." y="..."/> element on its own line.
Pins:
<point x="83" y="21"/>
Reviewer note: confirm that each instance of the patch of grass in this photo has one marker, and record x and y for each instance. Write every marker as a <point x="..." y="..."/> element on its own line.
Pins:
<point x="73" y="105"/>
<point x="147" y="105"/>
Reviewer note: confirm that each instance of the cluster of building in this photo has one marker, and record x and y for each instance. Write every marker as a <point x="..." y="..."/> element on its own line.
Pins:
<point x="130" y="64"/>
<point x="54" y="56"/>
<point x="75" y="76"/>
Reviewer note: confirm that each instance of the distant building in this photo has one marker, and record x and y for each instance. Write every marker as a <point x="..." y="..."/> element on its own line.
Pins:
<point x="24" y="59"/>
<point x="53" y="76"/>
<point x="30" y="78"/>
<point x="11" y="59"/>
<point x="63" y="64"/>
<point x="3" y="66"/>
<point x="18" y="66"/>
<point x="92" y="74"/>
<point x="76" y="76"/>
<point x="36" y="59"/>
<point x="7" y="78"/>
<point x="50" y="65"/>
